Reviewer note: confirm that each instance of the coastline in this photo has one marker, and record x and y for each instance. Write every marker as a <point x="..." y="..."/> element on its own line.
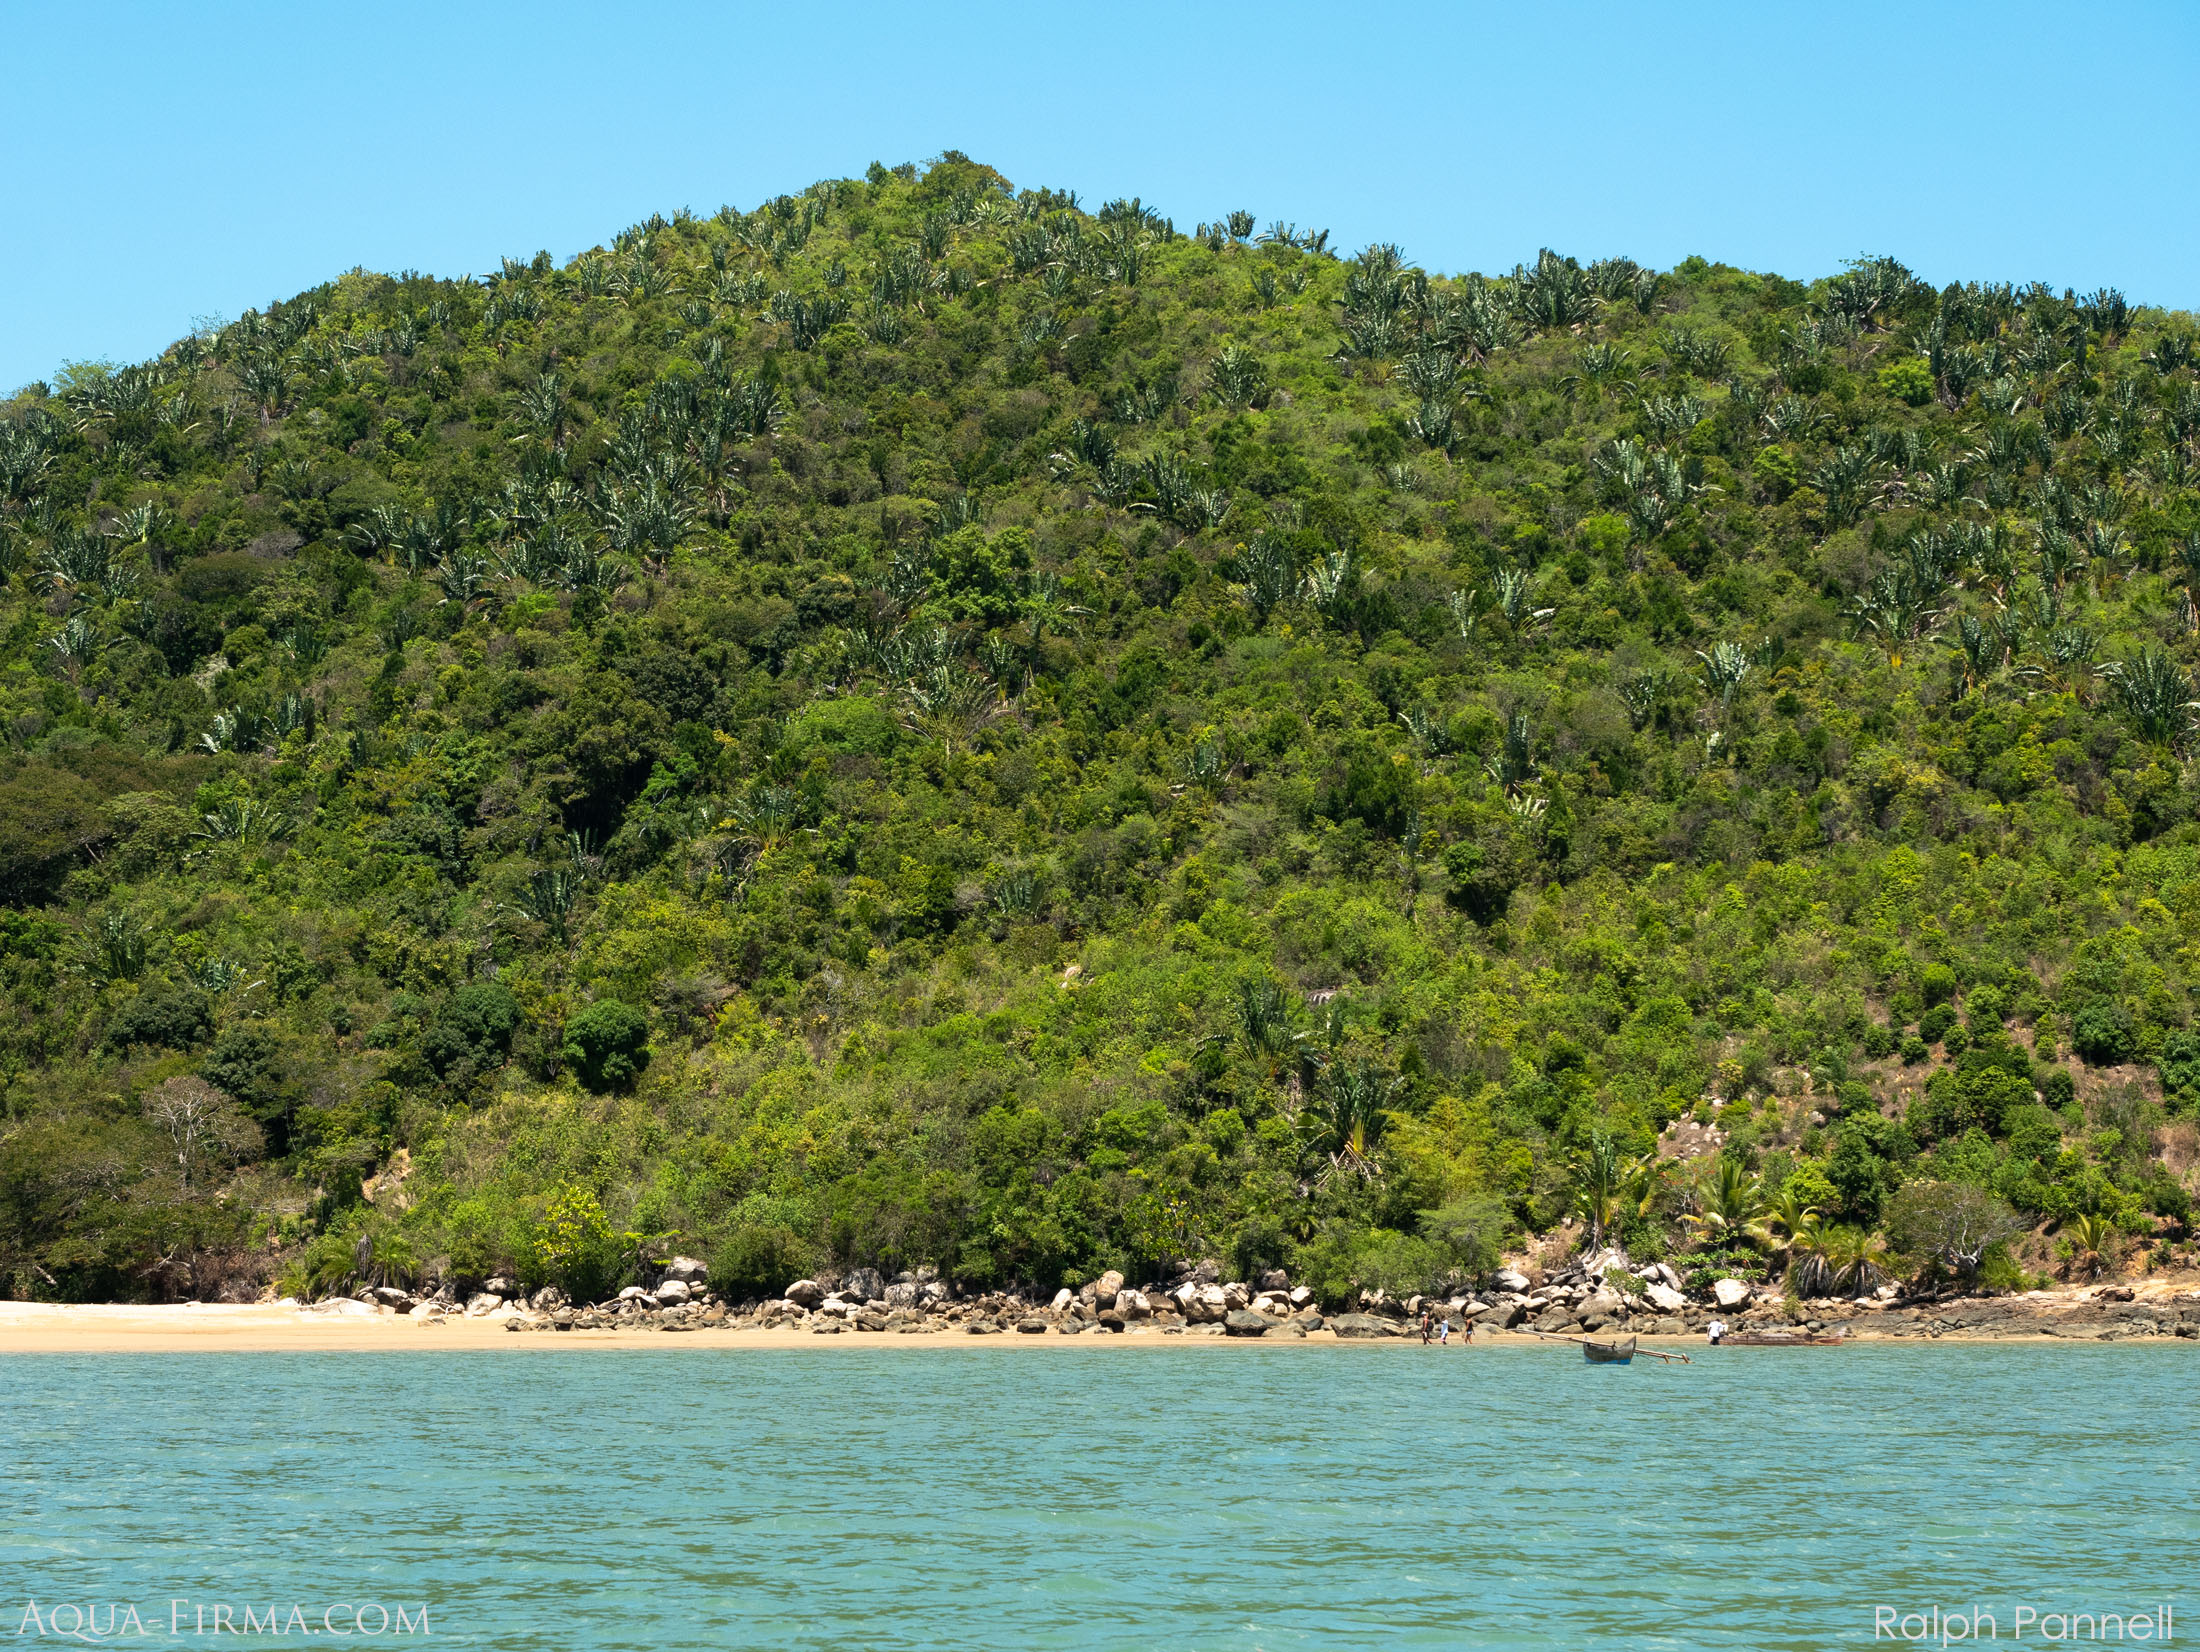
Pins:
<point x="55" y="1328"/>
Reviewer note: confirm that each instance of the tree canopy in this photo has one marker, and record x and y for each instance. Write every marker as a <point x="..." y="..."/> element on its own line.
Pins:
<point x="925" y="722"/>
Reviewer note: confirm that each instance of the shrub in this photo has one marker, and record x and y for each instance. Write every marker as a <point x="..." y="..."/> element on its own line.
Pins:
<point x="1937" y="984"/>
<point x="1338" y="1265"/>
<point x="1908" y="380"/>
<point x="606" y="1045"/>
<point x="576" y="1248"/>
<point x="2102" y="1033"/>
<point x="1949" y="1225"/>
<point x="1915" y="1049"/>
<point x="174" y="1018"/>
<point x="1471" y="1231"/>
<point x="1936" y="1023"/>
<point x="2179" y="1065"/>
<point x="475" y="1026"/>
<point x="760" y="1259"/>
<point x="1879" y="1042"/>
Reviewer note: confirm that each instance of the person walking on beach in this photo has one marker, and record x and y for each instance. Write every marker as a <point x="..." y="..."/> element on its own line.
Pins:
<point x="1443" y="1333"/>
<point x="1716" y="1330"/>
<point x="1427" y="1325"/>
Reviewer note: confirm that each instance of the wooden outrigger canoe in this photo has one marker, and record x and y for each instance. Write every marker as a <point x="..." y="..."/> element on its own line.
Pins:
<point x="1785" y="1339"/>
<point x="1610" y="1353"/>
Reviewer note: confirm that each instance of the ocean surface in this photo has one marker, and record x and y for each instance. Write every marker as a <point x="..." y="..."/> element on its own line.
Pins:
<point x="1179" y="1497"/>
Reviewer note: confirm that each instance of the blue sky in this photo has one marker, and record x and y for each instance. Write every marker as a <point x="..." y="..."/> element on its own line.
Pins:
<point x="170" y="162"/>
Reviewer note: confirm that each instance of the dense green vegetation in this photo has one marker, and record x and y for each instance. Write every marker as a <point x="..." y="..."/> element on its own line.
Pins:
<point x="922" y="724"/>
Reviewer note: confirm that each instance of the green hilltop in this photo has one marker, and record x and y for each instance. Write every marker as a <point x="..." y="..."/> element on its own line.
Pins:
<point x="923" y="724"/>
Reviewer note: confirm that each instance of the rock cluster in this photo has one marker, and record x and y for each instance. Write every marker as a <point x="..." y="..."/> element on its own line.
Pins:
<point x="1597" y="1294"/>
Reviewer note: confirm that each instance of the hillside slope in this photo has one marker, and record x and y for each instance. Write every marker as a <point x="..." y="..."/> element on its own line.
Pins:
<point x="921" y="724"/>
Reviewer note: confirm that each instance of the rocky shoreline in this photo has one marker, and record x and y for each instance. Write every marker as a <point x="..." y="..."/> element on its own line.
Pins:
<point x="1574" y="1300"/>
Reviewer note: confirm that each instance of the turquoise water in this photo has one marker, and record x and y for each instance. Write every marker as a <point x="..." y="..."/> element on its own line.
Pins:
<point x="1187" y="1497"/>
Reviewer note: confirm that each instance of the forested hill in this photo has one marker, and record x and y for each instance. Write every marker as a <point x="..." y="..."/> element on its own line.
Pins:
<point x="922" y="723"/>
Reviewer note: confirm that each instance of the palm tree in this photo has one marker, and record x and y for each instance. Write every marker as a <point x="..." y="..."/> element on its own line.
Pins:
<point x="1783" y="1218"/>
<point x="1810" y="1269"/>
<point x="1858" y="1258"/>
<point x="2094" y="1237"/>
<point x="1729" y="1202"/>
<point x="1597" y="1180"/>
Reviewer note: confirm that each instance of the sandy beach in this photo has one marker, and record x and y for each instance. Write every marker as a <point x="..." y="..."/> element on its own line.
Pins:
<point x="51" y="1328"/>
<point x="48" y="1328"/>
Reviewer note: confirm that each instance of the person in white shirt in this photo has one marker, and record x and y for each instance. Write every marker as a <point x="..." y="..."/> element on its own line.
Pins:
<point x="1717" y="1330"/>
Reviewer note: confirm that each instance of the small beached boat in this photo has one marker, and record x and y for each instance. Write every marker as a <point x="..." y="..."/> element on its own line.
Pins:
<point x="1786" y="1339"/>
<point x="1608" y="1353"/>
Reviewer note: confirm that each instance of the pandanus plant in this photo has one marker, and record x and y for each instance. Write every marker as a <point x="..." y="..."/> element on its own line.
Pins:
<point x="1344" y="1119"/>
<point x="1724" y="666"/>
<point x="2155" y="694"/>
<point x="1266" y="571"/>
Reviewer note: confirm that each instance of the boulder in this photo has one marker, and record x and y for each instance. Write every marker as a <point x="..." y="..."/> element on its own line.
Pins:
<point x="1106" y="1288"/>
<point x="1132" y="1304"/>
<point x="1300" y="1295"/>
<point x="1032" y="1326"/>
<point x="391" y="1297"/>
<point x="1503" y="1316"/>
<point x="672" y="1292"/>
<point x="1555" y="1318"/>
<point x="501" y="1285"/>
<point x="869" y="1321"/>
<point x="547" y="1300"/>
<point x="1511" y="1279"/>
<point x="1606" y="1304"/>
<point x="632" y="1293"/>
<point x="1111" y="1319"/>
<point x="1672" y="1325"/>
<point x="1275" y="1279"/>
<point x="1665" y="1297"/>
<point x="1730" y="1293"/>
<point x="1202" y="1304"/>
<point x="1063" y="1298"/>
<point x="805" y="1293"/>
<point x="1357" y="1325"/>
<point x="864" y="1285"/>
<point x="902" y="1294"/>
<point x="430" y="1309"/>
<point x="687" y="1270"/>
<point x="1243" y="1322"/>
<point x="484" y="1302"/>
<point x="1236" y="1295"/>
<point x="1272" y="1303"/>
